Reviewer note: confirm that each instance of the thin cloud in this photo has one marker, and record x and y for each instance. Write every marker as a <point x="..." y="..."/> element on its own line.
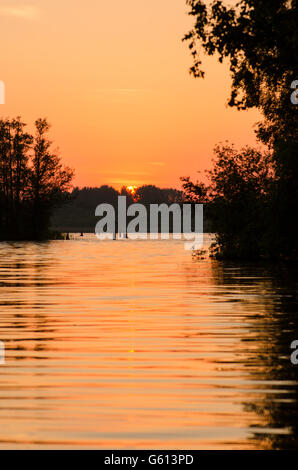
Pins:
<point x="28" y="12"/>
<point x="121" y="92"/>
<point x="124" y="90"/>
<point x="122" y="95"/>
<point x="157" y="163"/>
<point x="123" y="173"/>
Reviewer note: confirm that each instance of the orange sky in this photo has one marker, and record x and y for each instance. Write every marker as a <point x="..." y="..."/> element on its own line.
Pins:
<point x="112" y="78"/>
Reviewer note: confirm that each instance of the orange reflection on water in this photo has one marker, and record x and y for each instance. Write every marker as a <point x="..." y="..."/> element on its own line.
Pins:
<point x="134" y="344"/>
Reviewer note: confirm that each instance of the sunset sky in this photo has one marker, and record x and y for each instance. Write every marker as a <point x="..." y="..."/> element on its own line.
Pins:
<point x="112" y="78"/>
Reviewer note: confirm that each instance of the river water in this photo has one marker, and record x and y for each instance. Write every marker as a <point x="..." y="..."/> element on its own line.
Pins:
<point x="137" y="344"/>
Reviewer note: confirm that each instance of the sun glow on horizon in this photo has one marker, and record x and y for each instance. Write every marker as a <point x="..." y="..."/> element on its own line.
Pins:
<point x="140" y="117"/>
<point x="132" y="189"/>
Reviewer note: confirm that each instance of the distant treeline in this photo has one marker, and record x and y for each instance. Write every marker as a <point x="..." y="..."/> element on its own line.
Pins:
<point x="32" y="180"/>
<point x="78" y="214"/>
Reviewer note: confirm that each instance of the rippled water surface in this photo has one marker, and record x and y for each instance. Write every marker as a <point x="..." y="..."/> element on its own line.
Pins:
<point x="136" y="344"/>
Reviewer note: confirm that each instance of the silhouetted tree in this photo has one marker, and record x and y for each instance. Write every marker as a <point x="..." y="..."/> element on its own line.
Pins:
<point x="237" y="199"/>
<point x="14" y="145"/>
<point x="259" y="39"/>
<point x="32" y="180"/>
<point x="150" y="194"/>
<point x="48" y="179"/>
<point x="91" y="197"/>
<point x="129" y="195"/>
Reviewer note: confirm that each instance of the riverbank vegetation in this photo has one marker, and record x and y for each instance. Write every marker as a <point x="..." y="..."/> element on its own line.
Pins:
<point x="251" y="196"/>
<point x="33" y="180"/>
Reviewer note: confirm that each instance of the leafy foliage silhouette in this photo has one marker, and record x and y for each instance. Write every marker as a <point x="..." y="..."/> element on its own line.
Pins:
<point x="33" y="180"/>
<point x="259" y="40"/>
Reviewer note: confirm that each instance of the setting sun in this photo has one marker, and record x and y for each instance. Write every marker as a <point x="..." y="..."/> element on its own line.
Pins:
<point x="132" y="189"/>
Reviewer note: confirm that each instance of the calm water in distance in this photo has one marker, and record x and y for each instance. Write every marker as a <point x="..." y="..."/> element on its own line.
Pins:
<point x="136" y="344"/>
